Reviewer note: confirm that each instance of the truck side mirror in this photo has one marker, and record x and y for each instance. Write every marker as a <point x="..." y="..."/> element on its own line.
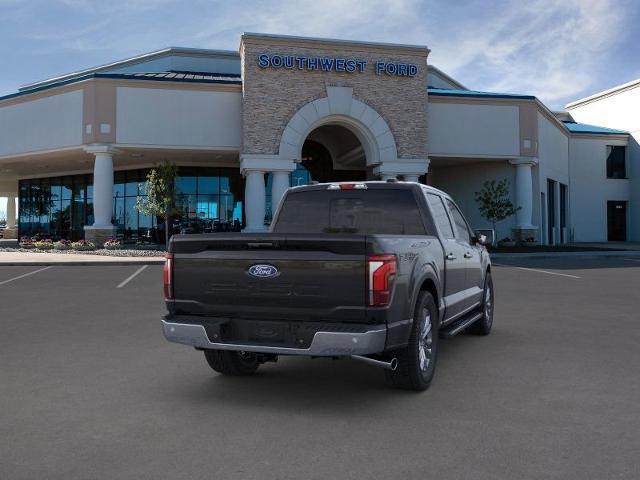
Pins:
<point x="484" y="237"/>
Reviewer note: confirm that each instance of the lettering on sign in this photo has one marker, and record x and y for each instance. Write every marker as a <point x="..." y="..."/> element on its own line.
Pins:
<point x="331" y="64"/>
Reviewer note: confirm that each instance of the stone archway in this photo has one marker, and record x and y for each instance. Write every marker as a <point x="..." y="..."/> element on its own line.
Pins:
<point x="340" y="108"/>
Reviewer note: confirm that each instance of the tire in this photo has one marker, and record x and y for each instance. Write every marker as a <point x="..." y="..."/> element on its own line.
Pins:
<point x="483" y="326"/>
<point x="232" y="363"/>
<point x="417" y="361"/>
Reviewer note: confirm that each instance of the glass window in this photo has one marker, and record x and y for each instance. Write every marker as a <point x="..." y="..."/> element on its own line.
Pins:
<point x="374" y="211"/>
<point x="462" y="230"/>
<point x="90" y="186"/>
<point x="131" y="185"/>
<point x="119" y="214"/>
<point x="208" y="185"/>
<point x="131" y="218"/>
<point x="440" y="215"/>
<point x="186" y="184"/>
<point x="67" y="188"/>
<point x="616" y="161"/>
<point x="119" y="179"/>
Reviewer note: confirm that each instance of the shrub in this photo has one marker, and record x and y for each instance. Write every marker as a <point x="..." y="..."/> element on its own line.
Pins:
<point x="26" y="242"/>
<point x="62" y="245"/>
<point x="83" y="245"/>
<point x="113" y="244"/>
<point x="43" y="244"/>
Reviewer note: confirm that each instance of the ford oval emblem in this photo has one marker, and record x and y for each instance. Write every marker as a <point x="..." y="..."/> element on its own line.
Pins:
<point x="263" y="271"/>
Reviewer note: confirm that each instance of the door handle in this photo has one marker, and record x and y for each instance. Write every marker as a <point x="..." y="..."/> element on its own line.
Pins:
<point x="450" y="256"/>
<point x="468" y="255"/>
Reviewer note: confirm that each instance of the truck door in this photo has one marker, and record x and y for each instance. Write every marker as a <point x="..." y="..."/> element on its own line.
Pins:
<point x="474" y="277"/>
<point x="455" y="275"/>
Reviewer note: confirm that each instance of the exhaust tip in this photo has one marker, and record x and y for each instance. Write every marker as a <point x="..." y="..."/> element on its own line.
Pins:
<point x="393" y="364"/>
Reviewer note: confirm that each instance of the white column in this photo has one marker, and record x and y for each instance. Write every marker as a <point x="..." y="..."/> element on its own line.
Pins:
<point x="387" y="176"/>
<point x="524" y="192"/>
<point x="11" y="211"/>
<point x="254" y="200"/>
<point x="103" y="190"/>
<point x="279" y="185"/>
<point x="411" y="178"/>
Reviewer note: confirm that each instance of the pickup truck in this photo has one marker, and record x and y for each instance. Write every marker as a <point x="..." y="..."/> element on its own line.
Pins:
<point x="374" y="271"/>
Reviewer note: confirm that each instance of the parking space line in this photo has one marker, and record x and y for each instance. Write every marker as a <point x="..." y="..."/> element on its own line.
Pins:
<point x="25" y="275"/>
<point x="539" y="271"/>
<point x="132" y="276"/>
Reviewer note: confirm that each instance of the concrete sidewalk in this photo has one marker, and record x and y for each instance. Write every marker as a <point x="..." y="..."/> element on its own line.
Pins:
<point x="556" y="255"/>
<point x="32" y="258"/>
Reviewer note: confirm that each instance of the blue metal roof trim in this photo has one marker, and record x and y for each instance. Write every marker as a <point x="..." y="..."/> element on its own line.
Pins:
<point x="575" y="127"/>
<point x="444" y="92"/>
<point x="228" y="79"/>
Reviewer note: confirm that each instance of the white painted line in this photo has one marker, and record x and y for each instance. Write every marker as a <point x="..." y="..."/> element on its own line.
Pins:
<point x="539" y="271"/>
<point x="132" y="276"/>
<point x="25" y="275"/>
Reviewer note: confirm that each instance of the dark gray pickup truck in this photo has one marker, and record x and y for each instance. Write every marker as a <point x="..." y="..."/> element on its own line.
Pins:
<point x="375" y="271"/>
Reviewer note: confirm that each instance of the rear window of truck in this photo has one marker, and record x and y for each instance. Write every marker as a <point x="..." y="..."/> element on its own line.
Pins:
<point x="367" y="212"/>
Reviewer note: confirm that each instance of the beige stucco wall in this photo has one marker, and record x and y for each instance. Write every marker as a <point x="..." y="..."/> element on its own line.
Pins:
<point x="272" y="96"/>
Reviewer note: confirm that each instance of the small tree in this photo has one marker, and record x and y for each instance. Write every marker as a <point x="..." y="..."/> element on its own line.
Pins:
<point x="494" y="202"/>
<point x="160" y="200"/>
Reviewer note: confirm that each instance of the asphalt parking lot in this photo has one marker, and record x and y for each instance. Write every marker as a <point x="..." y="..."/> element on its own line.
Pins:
<point x="89" y="388"/>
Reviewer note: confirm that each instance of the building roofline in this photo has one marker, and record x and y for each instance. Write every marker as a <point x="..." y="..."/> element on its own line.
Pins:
<point x="118" y="76"/>
<point x="604" y="93"/>
<point x="541" y="107"/>
<point x="446" y="76"/>
<point x="445" y="92"/>
<point x="336" y="41"/>
<point x="131" y="61"/>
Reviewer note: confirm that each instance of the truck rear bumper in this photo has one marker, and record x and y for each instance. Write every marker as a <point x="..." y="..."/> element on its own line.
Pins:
<point x="324" y="344"/>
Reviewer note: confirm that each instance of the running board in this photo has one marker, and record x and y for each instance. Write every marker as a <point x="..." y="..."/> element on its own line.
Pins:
<point x="459" y="325"/>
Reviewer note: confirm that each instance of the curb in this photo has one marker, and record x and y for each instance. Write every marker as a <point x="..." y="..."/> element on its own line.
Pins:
<point x="81" y="263"/>
<point x="547" y="255"/>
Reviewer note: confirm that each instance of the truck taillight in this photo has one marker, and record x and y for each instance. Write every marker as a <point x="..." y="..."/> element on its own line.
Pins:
<point x="167" y="276"/>
<point x="381" y="272"/>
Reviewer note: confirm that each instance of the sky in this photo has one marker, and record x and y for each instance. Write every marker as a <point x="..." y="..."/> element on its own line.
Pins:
<point x="558" y="50"/>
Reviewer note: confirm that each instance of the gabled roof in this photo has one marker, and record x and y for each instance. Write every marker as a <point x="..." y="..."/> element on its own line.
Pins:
<point x="575" y="127"/>
<point x="435" y="70"/>
<point x="474" y="93"/>
<point x="145" y="57"/>
<point x="604" y="93"/>
<point x="172" y="76"/>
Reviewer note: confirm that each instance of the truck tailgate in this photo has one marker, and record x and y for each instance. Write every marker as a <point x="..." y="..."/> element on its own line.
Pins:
<point x="271" y="276"/>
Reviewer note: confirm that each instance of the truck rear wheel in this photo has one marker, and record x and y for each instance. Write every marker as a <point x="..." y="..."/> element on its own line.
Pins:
<point x="232" y="363"/>
<point x="417" y="361"/>
<point x="483" y="326"/>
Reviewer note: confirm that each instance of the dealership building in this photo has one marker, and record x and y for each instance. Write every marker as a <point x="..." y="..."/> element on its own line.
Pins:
<point x="244" y="126"/>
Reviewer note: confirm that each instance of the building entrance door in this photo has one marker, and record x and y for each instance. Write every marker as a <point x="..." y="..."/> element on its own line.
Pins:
<point x="617" y="221"/>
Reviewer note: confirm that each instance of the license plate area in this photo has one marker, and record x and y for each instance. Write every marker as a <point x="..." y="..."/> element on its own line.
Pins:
<point x="268" y="332"/>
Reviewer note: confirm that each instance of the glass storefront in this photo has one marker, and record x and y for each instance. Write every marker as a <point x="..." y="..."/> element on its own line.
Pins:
<point x="209" y="199"/>
<point x="300" y="176"/>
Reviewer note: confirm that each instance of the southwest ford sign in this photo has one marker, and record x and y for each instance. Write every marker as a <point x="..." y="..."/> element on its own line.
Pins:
<point x="335" y="64"/>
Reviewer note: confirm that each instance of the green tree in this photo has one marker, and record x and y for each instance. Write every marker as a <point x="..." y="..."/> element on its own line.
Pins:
<point x="160" y="199"/>
<point x="494" y="203"/>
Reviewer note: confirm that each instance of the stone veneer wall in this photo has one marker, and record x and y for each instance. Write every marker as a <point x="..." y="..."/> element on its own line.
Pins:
<point x="271" y="96"/>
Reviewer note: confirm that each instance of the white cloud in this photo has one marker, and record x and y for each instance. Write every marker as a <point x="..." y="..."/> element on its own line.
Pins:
<point x="554" y="49"/>
<point x="548" y="48"/>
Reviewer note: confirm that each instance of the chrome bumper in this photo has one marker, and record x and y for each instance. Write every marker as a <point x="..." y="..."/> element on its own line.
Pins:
<point x="324" y="344"/>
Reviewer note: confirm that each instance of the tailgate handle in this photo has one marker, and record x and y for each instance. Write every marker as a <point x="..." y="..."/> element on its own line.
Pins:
<point x="259" y="244"/>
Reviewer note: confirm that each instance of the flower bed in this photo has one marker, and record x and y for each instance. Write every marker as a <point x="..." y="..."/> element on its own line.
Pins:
<point x="62" y="245"/>
<point x="83" y="245"/>
<point x="113" y="244"/>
